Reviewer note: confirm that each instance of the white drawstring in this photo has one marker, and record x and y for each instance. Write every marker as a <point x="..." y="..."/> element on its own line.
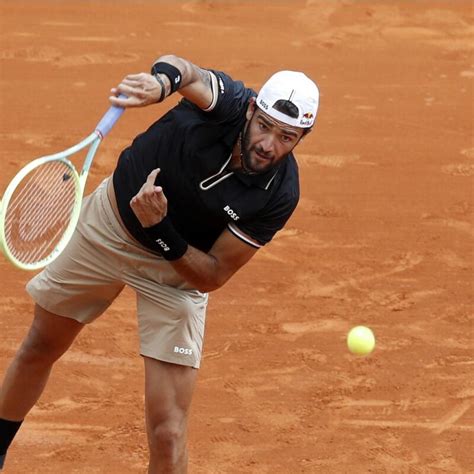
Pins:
<point x="203" y="183"/>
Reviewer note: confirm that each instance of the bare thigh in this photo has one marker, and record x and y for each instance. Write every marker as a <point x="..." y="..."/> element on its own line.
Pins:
<point x="168" y="391"/>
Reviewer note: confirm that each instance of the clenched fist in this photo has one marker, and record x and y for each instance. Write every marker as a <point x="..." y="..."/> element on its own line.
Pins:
<point x="150" y="204"/>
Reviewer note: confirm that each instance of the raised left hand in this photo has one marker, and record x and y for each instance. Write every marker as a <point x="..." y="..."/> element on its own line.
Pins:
<point x="150" y="204"/>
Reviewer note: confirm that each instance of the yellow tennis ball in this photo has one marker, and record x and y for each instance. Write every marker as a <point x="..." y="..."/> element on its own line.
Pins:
<point x="361" y="340"/>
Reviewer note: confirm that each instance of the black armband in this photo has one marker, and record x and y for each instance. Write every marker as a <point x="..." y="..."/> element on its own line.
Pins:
<point x="166" y="240"/>
<point x="170" y="71"/>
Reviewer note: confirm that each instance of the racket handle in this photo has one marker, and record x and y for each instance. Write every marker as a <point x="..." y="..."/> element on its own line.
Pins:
<point x="109" y="119"/>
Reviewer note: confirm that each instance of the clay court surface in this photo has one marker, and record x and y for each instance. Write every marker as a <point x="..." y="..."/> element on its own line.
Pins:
<point x="383" y="236"/>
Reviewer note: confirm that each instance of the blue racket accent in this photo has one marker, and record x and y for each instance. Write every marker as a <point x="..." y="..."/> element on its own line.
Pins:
<point x="109" y="119"/>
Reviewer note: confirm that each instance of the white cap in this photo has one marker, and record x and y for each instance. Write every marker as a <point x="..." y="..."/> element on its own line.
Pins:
<point x="296" y="88"/>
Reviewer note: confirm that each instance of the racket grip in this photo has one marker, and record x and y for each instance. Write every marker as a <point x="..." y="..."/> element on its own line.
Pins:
<point x="109" y="119"/>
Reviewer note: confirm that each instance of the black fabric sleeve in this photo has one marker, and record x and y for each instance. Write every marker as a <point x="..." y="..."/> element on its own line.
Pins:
<point x="268" y="222"/>
<point x="230" y="98"/>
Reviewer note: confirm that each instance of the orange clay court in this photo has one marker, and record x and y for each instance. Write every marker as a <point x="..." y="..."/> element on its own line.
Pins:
<point x="383" y="237"/>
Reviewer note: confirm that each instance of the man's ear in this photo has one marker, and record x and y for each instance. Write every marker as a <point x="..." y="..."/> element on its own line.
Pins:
<point x="307" y="132"/>
<point x="251" y="108"/>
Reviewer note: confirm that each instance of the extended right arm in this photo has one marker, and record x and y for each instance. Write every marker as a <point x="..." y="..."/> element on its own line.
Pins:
<point x="144" y="89"/>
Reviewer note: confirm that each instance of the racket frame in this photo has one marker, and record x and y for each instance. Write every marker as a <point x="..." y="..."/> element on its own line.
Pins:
<point x="93" y="142"/>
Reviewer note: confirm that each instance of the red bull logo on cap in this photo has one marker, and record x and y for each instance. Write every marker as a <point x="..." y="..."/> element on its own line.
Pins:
<point x="308" y="115"/>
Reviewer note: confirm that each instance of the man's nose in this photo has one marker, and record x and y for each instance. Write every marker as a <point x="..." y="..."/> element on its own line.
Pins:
<point x="268" y="143"/>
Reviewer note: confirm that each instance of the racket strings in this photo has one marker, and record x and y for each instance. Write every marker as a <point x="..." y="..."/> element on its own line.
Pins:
<point x="40" y="210"/>
<point x="30" y="229"/>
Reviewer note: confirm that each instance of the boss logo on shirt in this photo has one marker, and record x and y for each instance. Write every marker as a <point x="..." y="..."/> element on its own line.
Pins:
<point x="231" y="213"/>
<point x="162" y="245"/>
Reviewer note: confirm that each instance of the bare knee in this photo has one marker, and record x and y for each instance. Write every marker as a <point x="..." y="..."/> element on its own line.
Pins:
<point x="168" y="394"/>
<point x="167" y="440"/>
<point x="37" y="350"/>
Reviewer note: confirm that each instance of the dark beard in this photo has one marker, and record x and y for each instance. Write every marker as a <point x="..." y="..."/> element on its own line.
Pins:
<point x="245" y="151"/>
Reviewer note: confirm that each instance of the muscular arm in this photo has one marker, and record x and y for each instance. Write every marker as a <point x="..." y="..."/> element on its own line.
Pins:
<point x="196" y="82"/>
<point x="210" y="271"/>
<point x="143" y="89"/>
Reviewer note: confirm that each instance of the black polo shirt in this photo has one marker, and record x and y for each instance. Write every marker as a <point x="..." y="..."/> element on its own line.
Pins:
<point x="192" y="147"/>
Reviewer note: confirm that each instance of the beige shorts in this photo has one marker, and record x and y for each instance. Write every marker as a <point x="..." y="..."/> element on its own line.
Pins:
<point x="94" y="268"/>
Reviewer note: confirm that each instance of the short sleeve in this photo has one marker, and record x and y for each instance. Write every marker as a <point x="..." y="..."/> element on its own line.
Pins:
<point x="229" y="97"/>
<point x="263" y="226"/>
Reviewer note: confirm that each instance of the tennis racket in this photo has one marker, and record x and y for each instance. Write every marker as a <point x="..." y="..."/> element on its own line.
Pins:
<point x="42" y="203"/>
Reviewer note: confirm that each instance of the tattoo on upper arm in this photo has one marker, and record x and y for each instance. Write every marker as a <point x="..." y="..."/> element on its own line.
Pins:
<point x="209" y="80"/>
<point x="205" y="77"/>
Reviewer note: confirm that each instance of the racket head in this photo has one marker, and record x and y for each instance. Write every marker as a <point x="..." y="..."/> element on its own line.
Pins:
<point x="40" y="209"/>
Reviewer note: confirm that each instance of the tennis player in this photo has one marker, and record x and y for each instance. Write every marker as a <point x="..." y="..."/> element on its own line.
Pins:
<point x="191" y="200"/>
